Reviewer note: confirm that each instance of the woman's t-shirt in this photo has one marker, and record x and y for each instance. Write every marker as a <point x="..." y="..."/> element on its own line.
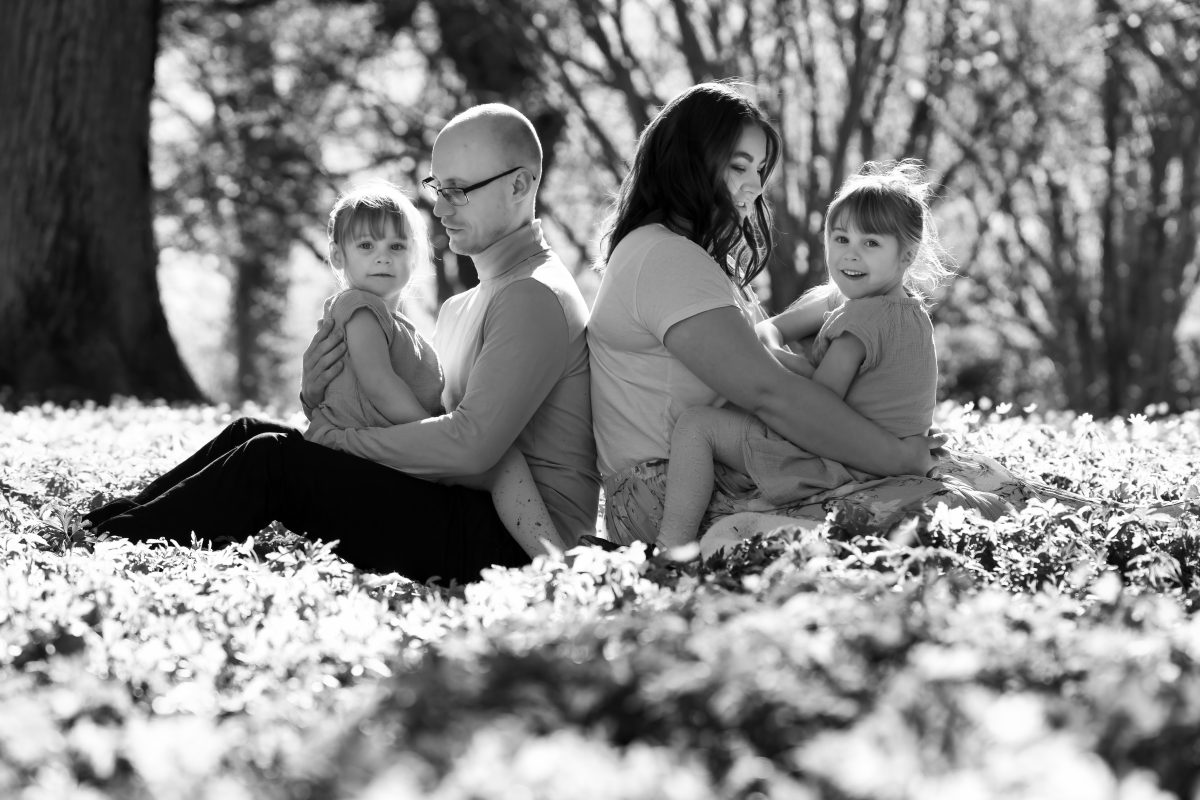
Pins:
<point x="654" y="279"/>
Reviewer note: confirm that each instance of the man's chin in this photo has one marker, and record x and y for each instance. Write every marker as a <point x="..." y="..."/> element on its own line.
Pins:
<point x="459" y="247"/>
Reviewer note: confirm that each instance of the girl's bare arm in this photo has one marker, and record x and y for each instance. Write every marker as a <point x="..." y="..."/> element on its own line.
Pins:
<point x="372" y="365"/>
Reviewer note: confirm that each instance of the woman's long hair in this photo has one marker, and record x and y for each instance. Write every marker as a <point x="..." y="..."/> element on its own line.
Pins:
<point x="678" y="179"/>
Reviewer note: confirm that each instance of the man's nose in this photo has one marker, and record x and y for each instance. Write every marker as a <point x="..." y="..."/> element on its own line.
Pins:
<point x="442" y="207"/>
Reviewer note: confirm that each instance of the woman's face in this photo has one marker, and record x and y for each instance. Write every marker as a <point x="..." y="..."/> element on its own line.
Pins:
<point x="743" y="174"/>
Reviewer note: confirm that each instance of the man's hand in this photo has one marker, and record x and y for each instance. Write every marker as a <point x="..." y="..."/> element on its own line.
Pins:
<point x="323" y="360"/>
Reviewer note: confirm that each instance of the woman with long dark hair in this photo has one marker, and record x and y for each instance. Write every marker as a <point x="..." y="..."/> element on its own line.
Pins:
<point x="672" y="326"/>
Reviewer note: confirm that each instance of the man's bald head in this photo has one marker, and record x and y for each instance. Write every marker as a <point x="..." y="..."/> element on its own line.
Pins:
<point x="508" y="132"/>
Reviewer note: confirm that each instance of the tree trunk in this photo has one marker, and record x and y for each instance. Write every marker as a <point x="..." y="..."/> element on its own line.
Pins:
<point x="265" y="152"/>
<point x="80" y="315"/>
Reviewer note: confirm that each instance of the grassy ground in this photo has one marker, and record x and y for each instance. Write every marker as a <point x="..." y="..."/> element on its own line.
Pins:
<point x="1051" y="655"/>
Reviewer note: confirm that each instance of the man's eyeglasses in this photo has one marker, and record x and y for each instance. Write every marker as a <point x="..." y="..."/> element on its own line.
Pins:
<point x="457" y="195"/>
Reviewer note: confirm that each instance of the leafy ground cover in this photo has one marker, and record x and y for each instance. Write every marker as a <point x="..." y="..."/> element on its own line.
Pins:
<point x="1051" y="655"/>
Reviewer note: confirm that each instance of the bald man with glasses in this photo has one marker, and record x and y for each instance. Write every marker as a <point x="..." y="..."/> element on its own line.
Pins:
<point x="515" y="359"/>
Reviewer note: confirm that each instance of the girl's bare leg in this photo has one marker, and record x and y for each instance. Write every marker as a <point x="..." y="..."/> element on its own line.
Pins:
<point x="518" y="504"/>
<point x="701" y="436"/>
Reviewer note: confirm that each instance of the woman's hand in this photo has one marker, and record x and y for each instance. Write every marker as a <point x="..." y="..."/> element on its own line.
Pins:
<point x="323" y="360"/>
<point x="922" y="449"/>
<point x="937" y="437"/>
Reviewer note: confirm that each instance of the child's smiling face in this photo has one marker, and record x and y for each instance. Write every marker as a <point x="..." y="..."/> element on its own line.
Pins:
<point x="865" y="264"/>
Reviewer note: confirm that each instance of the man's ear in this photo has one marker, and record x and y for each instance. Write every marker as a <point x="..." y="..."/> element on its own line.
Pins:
<point x="524" y="184"/>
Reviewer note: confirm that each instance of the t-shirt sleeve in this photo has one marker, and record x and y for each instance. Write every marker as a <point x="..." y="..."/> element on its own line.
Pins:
<point x="678" y="280"/>
<point x="525" y="349"/>
<point x="346" y="303"/>
<point x="864" y="320"/>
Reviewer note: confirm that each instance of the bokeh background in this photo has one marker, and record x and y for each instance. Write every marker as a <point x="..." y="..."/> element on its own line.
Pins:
<point x="1064" y="137"/>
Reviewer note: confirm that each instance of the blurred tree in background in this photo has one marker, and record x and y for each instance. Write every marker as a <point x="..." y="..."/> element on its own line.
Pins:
<point x="79" y="309"/>
<point x="262" y="95"/>
<point x="276" y="105"/>
<point x="1064" y="137"/>
<point x="243" y="181"/>
<point x="1081" y="135"/>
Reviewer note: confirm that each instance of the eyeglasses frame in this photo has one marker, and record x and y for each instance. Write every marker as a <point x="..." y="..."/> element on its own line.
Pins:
<point x="428" y="183"/>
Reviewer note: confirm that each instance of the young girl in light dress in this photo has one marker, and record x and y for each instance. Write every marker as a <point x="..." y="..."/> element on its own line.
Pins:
<point x="874" y="348"/>
<point x="377" y="241"/>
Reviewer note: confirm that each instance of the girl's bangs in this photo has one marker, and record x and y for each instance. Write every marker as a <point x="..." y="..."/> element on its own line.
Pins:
<point x="871" y="212"/>
<point x="375" y="221"/>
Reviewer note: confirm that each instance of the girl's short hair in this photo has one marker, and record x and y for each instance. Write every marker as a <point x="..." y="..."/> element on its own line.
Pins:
<point x="678" y="173"/>
<point x="374" y="206"/>
<point x="892" y="198"/>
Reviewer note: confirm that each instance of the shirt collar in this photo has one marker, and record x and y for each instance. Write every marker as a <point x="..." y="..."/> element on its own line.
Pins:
<point x="504" y="254"/>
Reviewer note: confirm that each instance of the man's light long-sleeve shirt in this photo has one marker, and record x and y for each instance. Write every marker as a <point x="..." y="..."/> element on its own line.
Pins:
<point x="514" y="354"/>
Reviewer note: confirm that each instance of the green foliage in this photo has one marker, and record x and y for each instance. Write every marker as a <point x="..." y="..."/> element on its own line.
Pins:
<point x="1052" y="654"/>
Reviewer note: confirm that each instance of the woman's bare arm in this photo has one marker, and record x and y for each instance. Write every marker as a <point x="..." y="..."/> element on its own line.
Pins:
<point x="723" y="351"/>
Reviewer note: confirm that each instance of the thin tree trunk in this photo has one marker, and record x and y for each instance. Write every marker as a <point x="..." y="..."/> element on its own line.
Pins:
<point x="260" y="253"/>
